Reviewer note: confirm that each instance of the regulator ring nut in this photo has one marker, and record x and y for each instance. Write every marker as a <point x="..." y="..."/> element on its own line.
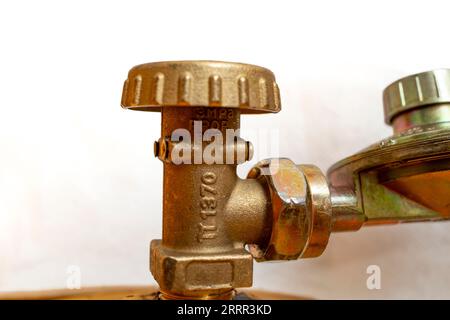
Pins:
<point x="301" y="208"/>
<point x="291" y="225"/>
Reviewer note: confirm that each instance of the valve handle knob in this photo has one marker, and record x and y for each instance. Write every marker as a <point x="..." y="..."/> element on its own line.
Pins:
<point x="250" y="88"/>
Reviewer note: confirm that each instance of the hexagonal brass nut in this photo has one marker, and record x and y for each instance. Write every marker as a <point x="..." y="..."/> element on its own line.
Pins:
<point x="301" y="209"/>
<point x="184" y="273"/>
<point x="319" y="204"/>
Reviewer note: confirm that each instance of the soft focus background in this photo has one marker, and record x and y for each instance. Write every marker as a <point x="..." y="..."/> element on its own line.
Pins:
<point x="78" y="181"/>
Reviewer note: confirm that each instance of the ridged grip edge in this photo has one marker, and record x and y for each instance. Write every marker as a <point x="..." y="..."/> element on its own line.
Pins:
<point x="249" y="88"/>
<point x="431" y="87"/>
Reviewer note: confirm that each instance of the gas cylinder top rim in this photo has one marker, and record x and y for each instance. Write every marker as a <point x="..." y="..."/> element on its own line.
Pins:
<point x="416" y="90"/>
<point x="249" y="88"/>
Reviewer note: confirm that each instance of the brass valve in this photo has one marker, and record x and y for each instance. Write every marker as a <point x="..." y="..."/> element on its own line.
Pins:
<point x="209" y="214"/>
<point x="282" y="211"/>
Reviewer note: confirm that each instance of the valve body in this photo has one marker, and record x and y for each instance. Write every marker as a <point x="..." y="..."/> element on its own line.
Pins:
<point x="209" y="214"/>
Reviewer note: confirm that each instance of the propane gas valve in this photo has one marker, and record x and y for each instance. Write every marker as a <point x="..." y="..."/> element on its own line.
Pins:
<point x="215" y="224"/>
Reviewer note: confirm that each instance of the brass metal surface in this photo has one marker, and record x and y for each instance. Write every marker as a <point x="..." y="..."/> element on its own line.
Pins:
<point x="283" y="211"/>
<point x="209" y="214"/>
<point x="416" y="91"/>
<point x="89" y="293"/>
<point x="202" y="249"/>
<point x="375" y="200"/>
<point x="301" y="208"/>
<point x="320" y="205"/>
<point x="429" y="189"/>
<point x="434" y="114"/>
<point x="131" y="293"/>
<point x="405" y="177"/>
<point x="249" y="88"/>
<point x="215" y="224"/>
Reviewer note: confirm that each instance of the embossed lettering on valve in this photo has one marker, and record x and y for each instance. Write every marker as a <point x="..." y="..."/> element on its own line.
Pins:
<point x="208" y="205"/>
<point x="213" y="138"/>
<point x="214" y="118"/>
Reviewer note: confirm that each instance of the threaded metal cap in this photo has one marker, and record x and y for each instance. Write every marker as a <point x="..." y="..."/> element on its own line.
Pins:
<point x="417" y="90"/>
<point x="151" y="86"/>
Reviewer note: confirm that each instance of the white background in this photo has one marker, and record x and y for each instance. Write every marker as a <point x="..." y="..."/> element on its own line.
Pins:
<point x="79" y="184"/>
